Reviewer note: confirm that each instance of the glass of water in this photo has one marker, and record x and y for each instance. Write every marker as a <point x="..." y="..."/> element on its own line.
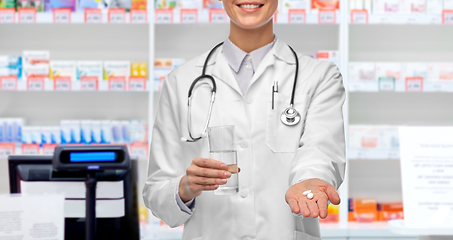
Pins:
<point x="221" y="148"/>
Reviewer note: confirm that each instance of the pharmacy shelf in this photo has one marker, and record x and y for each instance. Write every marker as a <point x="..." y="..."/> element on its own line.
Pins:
<point x="191" y="16"/>
<point x="79" y="17"/>
<point x="139" y="85"/>
<point x="369" y="153"/>
<point x="328" y="231"/>
<point x="400" y="86"/>
<point x="360" y="17"/>
<point x="399" y="227"/>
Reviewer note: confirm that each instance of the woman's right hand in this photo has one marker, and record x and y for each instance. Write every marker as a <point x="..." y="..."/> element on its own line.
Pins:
<point x="203" y="174"/>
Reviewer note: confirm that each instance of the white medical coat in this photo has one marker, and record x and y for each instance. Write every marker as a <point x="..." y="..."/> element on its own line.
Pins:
<point x="271" y="155"/>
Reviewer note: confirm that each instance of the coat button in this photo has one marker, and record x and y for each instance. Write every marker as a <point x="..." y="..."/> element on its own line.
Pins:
<point x="244" y="144"/>
<point x="244" y="193"/>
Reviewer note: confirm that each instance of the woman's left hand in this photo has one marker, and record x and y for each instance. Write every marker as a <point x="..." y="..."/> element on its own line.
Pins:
<point x="317" y="206"/>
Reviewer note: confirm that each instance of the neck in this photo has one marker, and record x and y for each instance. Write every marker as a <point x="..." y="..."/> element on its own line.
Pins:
<point x="251" y="39"/>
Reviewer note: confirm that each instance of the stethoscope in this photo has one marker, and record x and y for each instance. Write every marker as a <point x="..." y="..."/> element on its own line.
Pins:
<point x="290" y="116"/>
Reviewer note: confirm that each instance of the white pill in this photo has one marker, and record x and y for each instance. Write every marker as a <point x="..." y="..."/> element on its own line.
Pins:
<point x="306" y="192"/>
<point x="310" y="195"/>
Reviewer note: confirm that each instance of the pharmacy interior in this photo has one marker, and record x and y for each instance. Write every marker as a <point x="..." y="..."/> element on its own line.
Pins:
<point x="89" y="72"/>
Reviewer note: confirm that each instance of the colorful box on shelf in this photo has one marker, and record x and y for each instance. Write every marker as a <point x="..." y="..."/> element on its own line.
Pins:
<point x="366" y="210"/>
<point x="162" y="67"/>
<point x="373" y="142"/>
<point x="400" y="77"/>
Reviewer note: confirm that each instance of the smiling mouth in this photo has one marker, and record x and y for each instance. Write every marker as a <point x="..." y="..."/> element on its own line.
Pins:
<point x="250" y="6"/>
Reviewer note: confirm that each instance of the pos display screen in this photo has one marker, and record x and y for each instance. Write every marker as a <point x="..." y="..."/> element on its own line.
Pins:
<point x="67" y="157"/>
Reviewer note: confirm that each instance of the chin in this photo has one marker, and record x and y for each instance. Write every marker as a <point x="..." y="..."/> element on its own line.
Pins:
<point x="251" y="24"/>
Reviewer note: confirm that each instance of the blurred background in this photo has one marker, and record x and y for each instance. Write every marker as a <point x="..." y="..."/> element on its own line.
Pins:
<point x="90" y="72"/>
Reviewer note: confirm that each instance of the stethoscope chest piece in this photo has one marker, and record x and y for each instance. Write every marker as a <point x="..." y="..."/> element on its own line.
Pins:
<point x="290" y="116"/>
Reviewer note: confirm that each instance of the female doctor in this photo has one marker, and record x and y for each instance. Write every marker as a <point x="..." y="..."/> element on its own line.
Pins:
<point x="278" y="163"/>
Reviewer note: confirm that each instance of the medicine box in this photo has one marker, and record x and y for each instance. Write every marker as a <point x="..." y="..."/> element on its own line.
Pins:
<point x="362" y="71"/>
<point x="325" y="5"/>
<point x="363" y="136"/>
<point x="10" y="61"/>
<point x="139" y="69"/>
<point x="83" y="4"/>
<point x="139" y="4"/>
<point x="49" y="5"/>
<point x="7" y="3"/>
<point x="117" y="69"/>
<point x="327" y="55"/>
<point x="440" y="72"/>
<point x="286" y="5"/>
<point x="448" y="4"/>
<point x="190" y="4"/>
<point x="39" y="70"/>
<point x="388" y="70"/>
<point x="89" y="69"/>
<point x="413" y="6"/>
<point x="63" y="69"/>
<point x="415" y="70"/>
<point x="126" y="4"/>
<point x="386" y="6"/>
<point x="37" y="4"/>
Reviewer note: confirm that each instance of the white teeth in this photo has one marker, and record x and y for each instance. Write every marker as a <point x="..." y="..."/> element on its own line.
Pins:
<point x="249" y="6"/>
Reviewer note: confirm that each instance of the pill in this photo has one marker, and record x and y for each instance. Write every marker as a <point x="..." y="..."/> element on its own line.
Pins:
<point x="306" y="192"/>
<point x="310" y="195"/>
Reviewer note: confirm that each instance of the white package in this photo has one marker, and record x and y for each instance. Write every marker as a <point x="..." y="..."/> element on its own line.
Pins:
<point x="75" y="131"/>
<point x="106" y="131"/>
<point x="55" y="135"/>
<point x="39" y="70"/>
<point x="7" y="130"/>
<point x="389" y="70"/>
<point x="361" y="136"/>
<point x="8" y="71"/>
<point x="137" y="131"/>
<point x="26" y="135"/>
<point x="386" y="6"/>
<point x="388" y="137"/>
<point x="96" y="131"/>
<point x="434" y="7"/>
<point x="89" y="69"/>
<point x="415" y="70"/>
<point x="46" y="135"/>
<point x="2" y="130"/>
<point x="362" y="71"/>
<point x="440" y="72"/>
<point x="286" y="5"/>
<point x="117" y="69"/>
<point x="191" y="4"/>
<point x="67" y="135"/>
<point x="36" y="135"/>
<point x="85" y="128"/>
<point x="16" y="129"/>
<point x="367" y="5"/>
<point x="35" y="57"/>
<point x="63" y="69"/>
<point x="413" y="6"/>
<point x="10" y="61"/>
<point x="125" y="131"/>
<point x="117" y="133"/>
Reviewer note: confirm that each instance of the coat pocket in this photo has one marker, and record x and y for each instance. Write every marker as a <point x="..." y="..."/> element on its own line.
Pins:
<point x="279" y="136"/>
<point x="303" y="236"/>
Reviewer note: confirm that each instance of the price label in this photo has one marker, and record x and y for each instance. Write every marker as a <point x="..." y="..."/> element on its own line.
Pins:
<point x="393" y="155"/>
<point x="117" y="15"/>
<point x="411" y="20"/>
<point x="414" y="84"/>
<point x="327" y="17"/>
<point x="62" y="15"/>
<point x="93" y="15"/>
<point x="48" y="148"/>
<point x="137" y="84"/>
<point x="359" y="16"/>
<point x="140" y="150"/>
<point x="139" y="16"/>
<point x="189" y="15"/>
<point x="35" y="83"/>
<point x="6" y="149"/>
<point x="386" y="84"/>
<point x="30" y="148"/>
<point x="297" y="16"/>
<point x="7" y="15"/>
<point x="383" y="19"/>
<point x="435" y="19"/>
<point x="217" y="15"/>
<point x="27" y="15"/>
<point x="447" y="17"/>
<point x="117" y="83"/>
<point x="164" y="16"/>
<point x="62" y="84"/>
<point x="8" y="83"/>
<point x="89" y="83"/>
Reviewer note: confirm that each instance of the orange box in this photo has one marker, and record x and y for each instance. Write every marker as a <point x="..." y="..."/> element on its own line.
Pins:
<point x="390" y="211"/>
